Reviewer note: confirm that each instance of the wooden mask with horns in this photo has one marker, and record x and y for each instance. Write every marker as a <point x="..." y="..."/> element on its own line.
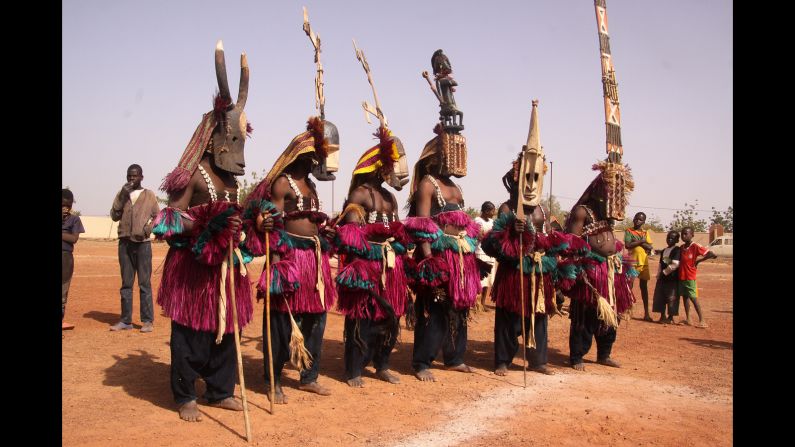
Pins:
<point x="229" y="135"/>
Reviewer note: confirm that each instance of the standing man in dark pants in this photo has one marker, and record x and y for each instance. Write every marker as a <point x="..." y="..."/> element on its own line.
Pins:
<point x="135" y="208"/>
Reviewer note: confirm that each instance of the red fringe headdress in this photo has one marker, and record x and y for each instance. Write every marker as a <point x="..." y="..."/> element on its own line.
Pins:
<point x="310" y="141"/>
<point x="178" y="178"/>
<point x="382" y="156"/>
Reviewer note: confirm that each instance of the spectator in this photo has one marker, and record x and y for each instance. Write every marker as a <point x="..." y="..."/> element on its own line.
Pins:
<point x="71" y="227"/>
<point x="688" y="266"/>
<point x="486" y="221"/>
<point x="135" y="208"/>
<point x="638" y="242"/>
<point x="666" y="289"/>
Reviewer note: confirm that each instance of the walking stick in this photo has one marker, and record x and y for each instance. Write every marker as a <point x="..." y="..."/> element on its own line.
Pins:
<point x="268" y="315"/>
<point x="237" y="339"/>
<point x="521" y="298"/>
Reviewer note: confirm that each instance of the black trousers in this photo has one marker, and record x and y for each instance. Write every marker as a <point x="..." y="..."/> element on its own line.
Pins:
<point x="585" y="326"/>
<point x="136" y="257"/>
<point x="312" y="327"/>
<point x="508" y="327"/>
<point x="371" y="341"/>
<point x="194" y="354"/>
<point x="443" y="327"/>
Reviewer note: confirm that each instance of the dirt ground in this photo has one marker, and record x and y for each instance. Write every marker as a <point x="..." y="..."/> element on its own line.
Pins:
<point x="675" y="386"/>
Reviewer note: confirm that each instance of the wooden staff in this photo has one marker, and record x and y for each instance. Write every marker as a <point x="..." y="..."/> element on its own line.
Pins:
<point x="530" y="153"/>
<point x="268" y="315"/>
<point x="521" y="298"/>
<point x="377" y="112"/>
<point x="320" y="99"/>
<point x="237" y="338"/>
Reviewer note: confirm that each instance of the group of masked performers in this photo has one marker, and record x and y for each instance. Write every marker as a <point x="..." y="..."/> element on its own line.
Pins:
<point x="380" y="258"/>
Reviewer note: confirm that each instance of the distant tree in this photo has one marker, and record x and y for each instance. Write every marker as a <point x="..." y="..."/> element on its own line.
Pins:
<point x="554" y="208"/>
<point x="473" y="213"/>
<point x="687" y="217"/>
<point x="246" y="187"/>
<point x="726" y="219"/>
<point x="654" y="224"/>
<point x="564" y="215"/>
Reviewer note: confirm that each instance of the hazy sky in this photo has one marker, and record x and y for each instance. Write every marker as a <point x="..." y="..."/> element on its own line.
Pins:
<point x="138" y="75"/>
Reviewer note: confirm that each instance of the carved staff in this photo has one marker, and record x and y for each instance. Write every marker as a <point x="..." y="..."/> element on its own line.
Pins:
<point x="614" y="148"/>
<point x="268" y="315"/>
<point x="521" y="298"/>
<point x="367" y="107"/>
<point x="320" y="100"/>
<point x="527" y="165"/>
<point x="237" y="339"/>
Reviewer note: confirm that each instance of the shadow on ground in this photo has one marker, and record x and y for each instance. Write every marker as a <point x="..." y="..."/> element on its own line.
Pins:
<point x="102" y="317"/>
<point x="142" y="376"/>
<point x="714" y="344"/>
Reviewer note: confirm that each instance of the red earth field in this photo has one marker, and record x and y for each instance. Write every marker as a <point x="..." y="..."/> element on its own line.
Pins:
<point x="675" y="386"/>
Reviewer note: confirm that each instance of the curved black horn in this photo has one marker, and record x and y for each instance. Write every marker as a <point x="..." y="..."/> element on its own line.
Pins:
<point x="220" y="72"/>
<point x="242" y="94"/>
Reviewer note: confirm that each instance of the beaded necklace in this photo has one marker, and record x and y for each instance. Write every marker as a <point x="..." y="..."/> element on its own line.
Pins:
<point x="439" y="199"/>
<point x="543" y="222"/>
<point x="596" y="226"/>
<point x="211" y="187"/>
<point x="373" y="215"/>
<point x="300" y="197"/>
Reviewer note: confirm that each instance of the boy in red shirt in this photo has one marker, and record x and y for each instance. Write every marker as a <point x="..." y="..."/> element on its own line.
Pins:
<point x="688" y="266"/>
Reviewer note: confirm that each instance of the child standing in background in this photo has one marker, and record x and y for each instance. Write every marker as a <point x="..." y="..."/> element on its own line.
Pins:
<point x="71" y="227"/>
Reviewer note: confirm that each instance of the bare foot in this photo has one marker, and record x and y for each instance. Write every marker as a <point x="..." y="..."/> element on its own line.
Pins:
<point x="461" y="368"/>
<point x="316" y="388"/>
<point x="543" y="369"/>
<point x="702" y="325"/>
<point x="502" y="369"/>
<point x="579" y="366"/>
<point x="189" y="411"/>
<point x="425" y="375"/>
<point x="647" y="317"/>
<point x="230" y="403"/>
<point x="356" y="382"/>
<point x="685" y="322"/>
<point x="609" y="362"/>
<point x="278" y="396"/>
<point x="387" y="376"/>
